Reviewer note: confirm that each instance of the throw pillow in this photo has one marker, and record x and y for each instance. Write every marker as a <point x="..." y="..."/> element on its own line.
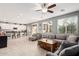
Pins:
<point x="72" y="38"/>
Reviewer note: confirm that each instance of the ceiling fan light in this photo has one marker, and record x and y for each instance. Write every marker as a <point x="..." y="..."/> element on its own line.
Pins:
<point x="44" y="10"/>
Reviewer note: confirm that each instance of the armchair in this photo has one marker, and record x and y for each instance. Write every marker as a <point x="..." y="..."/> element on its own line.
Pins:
<point x="35" y="37"/>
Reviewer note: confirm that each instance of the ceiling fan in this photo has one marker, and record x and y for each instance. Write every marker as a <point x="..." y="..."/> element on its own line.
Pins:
<point x="45" y="8"/>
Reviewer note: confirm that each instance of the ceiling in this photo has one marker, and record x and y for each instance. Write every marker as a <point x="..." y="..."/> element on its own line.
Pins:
<point x="25" y="12"/>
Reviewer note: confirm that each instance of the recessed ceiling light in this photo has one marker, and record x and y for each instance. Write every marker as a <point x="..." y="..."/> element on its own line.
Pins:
<point x="62" y="10"/>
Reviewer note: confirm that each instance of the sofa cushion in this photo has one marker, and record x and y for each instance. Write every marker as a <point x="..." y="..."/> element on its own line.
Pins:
<point x="61" y="36"/>
<point x="34" y="35"/>
<point x="39" y="35"/>
<point x="70" y="51"/>
<point x="72" y="38"/>
<point x="51" y="36"/>
<point x="44" y="35"/>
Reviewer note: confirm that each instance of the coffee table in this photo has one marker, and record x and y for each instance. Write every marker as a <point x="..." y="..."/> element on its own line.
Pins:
<point x="48" y="44"/>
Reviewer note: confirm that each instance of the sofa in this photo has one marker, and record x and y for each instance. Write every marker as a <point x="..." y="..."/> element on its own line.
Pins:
<point x="68" y="47"/>
<point x="57" y="37"/>
<point x="69" y="44"/>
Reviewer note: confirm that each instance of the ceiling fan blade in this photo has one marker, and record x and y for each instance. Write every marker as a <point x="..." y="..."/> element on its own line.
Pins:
<point x="49" y="11"/>
<point x="51" y="6"/>
<point x="38" y="10"/>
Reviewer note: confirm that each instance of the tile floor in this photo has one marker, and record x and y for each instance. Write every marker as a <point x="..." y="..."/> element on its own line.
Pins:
<point x="22" y="47"/>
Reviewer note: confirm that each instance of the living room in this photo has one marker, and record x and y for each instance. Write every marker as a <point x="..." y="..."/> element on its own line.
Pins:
<point x="27" y="30"/>
<point x="64" y="27"/>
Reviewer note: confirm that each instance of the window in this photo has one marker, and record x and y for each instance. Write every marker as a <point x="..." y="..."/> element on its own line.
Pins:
<point x="47" y="27"/>
<point x="34" y="28"/>
<point x="67" y="25"/>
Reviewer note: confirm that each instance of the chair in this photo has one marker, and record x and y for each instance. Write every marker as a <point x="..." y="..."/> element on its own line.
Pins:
<point x="35" y="37"/>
